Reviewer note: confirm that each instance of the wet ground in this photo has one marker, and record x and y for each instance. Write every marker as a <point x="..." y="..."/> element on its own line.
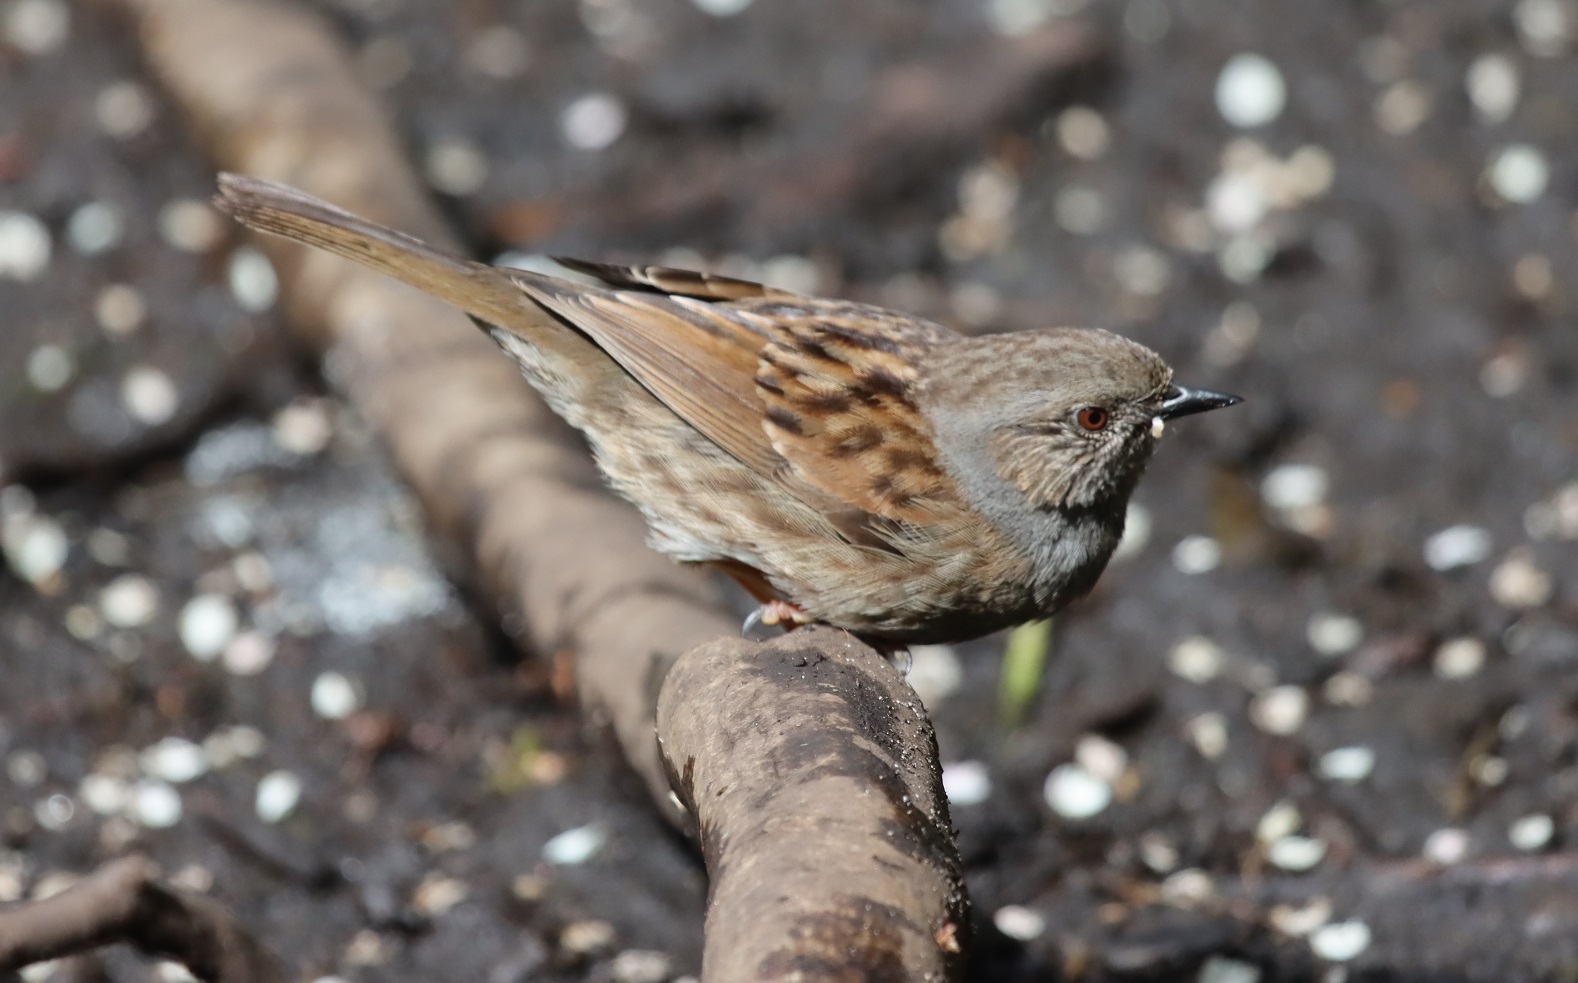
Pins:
<point x="1320" y="721"/>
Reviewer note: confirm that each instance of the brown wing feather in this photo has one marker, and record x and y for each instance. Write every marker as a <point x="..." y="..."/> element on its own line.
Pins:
<point x="666" y="280"/>
<point x="702" y="367"/>
<point x="838" y="381"/>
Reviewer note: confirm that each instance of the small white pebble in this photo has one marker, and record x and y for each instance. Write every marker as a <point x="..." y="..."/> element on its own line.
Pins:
<point x="1532" y="832"/>
<point x="1187" y="885"/>
<point x="594" y="121"/>
<point x="1083" y="132"/>
<point x="104" y="794"/>
<point x="1102" y="758"/>
<point x="124" y="109"/>
<point x="437" y="894"/>
<point x="1519" y="173"/>
<point x="640" y="966"/>
<point x="49" y="368"/>
<point x="1158" y="852"/>
<point x="227" y="745"/>
<point x="1518" y="582"/>
<point x="721" y="8"/>
<point x="1296" y="853"/>
<point x="1302" y="920"/>
<point x="208" y="623"/>
<point x="1017" y="17"/>
<point x="150" y="395"/>
<point x="35" y="547"/>
<point x="796" y="274"/>
<point x="170" y="971"/>
<point x="1280" y="710"/>
<point x="1208" y="733"/>
<point x="1333" y="634"/>
<point x="119" y="309"/>
<point x="277" y="795"/>
<point x="1294" y="486"/>
<point x="1348" y="764"/>
<point x="54" y="812"/>
<point x="1457" y="546"/>
<point x="1019" y="922"/>
<point x="935" y="673"/>
<point x="154" y="804"/>
<point x="1489" y="770"/>
<point x="966" y="783"/>
<point x="37" y="27"/>
<point x="303" y="426"/>
<point x="1446" y="846"/>
<point x="1144" y="272"/>
<point x="249" y="653"/>
<point x="1493" y="87"/>
<point x="1544" y="25"/>
<point x="1459" y="658"/>
<point x="1250" y="91"/>
<point x="24" y="246"/>
<point x="94" y="228"/>
<point x="1282" y="819"/>
<point x="190" y="225"/>
<point x="1137" y="524"/>
<point x="175" y="760"/>
<point x="456" y="167"/>
<point x="40" y="972"/>
<point x="1079" y="209"/>
<point x="334" y="696"/>
<point x="574" y="846"/>
<point x="1402" y="107"/>
<point x="1340" y="942"/>
<point x="587" y="936"/>
<point x="26" y="768"/>
<point x="129" y="601"/>
<point x="1197" y="554"/>
<point x="1220" y="969"/>
<point x="1074" y="793"/>
<point x="253" y="282"/>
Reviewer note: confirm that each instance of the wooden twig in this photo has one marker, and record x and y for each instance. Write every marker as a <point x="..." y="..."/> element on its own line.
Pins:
<point x="123" y="901"/>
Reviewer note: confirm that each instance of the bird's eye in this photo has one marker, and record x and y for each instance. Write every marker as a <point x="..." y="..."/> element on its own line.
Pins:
<point x="1093" y="418"/>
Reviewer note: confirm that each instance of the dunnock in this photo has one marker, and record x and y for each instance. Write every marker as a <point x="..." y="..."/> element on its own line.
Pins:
<point x="847" y="464"/>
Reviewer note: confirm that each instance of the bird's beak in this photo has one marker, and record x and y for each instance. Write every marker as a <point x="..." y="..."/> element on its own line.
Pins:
<point x="1183" y="401"/>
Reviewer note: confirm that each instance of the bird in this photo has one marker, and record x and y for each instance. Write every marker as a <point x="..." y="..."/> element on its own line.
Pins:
<point x="845" y="463"/>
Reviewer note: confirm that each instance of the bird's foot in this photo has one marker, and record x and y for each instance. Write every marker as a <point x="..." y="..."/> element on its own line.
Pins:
<point x="776" y="613"/>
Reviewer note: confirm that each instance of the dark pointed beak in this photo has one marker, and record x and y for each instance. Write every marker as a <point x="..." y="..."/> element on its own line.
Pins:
<point x="1183" y="401"/>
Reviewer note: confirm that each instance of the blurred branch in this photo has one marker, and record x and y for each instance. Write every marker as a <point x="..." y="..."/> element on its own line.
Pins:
<point x="123" y="901"/>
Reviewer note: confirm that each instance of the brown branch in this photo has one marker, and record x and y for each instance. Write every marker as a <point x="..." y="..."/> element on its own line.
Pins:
<point x="123" y="901"/>
<point x="811" y="771"/>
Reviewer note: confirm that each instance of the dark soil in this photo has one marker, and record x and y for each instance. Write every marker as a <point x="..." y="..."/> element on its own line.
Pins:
<point x="1409" y="332"/>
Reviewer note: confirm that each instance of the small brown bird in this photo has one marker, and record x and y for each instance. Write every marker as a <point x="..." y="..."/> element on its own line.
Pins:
<point x="847" y="464"/>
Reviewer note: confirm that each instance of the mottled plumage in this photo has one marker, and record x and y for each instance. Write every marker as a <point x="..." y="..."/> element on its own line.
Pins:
<point x="878" y="471"/>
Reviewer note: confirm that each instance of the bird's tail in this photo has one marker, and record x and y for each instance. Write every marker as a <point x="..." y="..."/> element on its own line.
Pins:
<point x="481" y="291"/>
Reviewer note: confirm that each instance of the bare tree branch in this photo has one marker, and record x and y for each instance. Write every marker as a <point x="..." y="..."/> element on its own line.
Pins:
<point x="811" y="772"/>
<point x="123" y="901"/>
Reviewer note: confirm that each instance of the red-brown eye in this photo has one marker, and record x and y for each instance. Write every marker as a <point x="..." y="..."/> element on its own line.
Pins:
<point x="1094" y="418"/>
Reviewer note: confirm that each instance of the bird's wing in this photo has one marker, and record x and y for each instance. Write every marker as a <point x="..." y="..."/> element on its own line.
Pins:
<point x="839" y="384"/>
<point x="818" y="394"/>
